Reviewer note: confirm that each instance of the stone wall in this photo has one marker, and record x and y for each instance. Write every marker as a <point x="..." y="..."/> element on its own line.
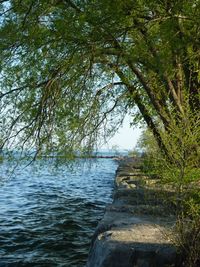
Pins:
<point x="135" y="229"/>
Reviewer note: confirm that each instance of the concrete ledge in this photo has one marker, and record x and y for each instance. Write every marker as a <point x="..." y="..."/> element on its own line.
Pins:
<point x="135" y="229"/>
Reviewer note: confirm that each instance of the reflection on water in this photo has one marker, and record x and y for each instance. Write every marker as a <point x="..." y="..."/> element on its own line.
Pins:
<point x="48" y="214"/>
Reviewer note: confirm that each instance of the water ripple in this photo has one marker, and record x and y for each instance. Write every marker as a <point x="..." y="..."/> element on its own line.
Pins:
<point x="48" y="214"/>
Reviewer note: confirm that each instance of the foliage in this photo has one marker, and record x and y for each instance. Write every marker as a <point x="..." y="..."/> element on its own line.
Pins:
<point x="187" y="237"/>
<point x="182" y="165"/>
<point x="179" y="173"/>
<point x="71" y="70"/>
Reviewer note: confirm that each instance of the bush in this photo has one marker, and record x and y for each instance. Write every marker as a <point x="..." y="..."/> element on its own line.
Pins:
<point x="179" y="171"/>
<point x="187" y="237"/>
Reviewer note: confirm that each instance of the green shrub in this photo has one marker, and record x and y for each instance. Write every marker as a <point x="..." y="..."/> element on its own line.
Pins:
<point x="179" y="171"/>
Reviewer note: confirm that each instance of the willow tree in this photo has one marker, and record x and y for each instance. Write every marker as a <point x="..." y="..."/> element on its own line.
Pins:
<point x="71" y="70"/>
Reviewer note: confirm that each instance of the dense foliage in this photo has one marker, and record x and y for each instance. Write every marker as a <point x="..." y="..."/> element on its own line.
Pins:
<point x="179" y="180"/>
<point x="71" y="70"/>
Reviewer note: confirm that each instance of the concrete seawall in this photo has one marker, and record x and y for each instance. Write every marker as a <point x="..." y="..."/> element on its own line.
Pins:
<point x="135" y="229"/>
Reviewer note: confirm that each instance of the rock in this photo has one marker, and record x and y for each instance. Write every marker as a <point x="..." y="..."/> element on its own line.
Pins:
<point x="133" y="231"/>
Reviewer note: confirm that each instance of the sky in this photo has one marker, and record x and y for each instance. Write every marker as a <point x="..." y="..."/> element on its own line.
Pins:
<point x="126" y="138"/>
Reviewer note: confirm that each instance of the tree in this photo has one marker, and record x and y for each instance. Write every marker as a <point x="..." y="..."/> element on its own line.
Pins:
<point x="70" y="67"/>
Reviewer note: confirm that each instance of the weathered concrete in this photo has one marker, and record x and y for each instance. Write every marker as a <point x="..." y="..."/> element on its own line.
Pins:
<point x="135" y="229"/>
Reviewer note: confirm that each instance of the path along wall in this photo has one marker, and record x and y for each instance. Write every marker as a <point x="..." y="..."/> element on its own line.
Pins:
<point x="135" y="229"/>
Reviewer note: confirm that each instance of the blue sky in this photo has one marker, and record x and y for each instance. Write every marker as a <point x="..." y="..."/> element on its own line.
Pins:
<point x="126" y="138"/>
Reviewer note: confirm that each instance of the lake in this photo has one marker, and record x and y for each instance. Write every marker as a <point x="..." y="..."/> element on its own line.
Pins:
<point x="49" y="211"/>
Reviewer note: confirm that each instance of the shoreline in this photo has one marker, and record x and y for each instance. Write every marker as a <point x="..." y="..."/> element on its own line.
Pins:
<point x="135" y="229"/>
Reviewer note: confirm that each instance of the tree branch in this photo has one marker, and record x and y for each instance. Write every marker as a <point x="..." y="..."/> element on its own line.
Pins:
<point x="71" y="4"/>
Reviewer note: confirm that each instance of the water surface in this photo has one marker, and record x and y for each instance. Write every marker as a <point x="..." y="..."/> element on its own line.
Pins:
<point x="48" y="214"/>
